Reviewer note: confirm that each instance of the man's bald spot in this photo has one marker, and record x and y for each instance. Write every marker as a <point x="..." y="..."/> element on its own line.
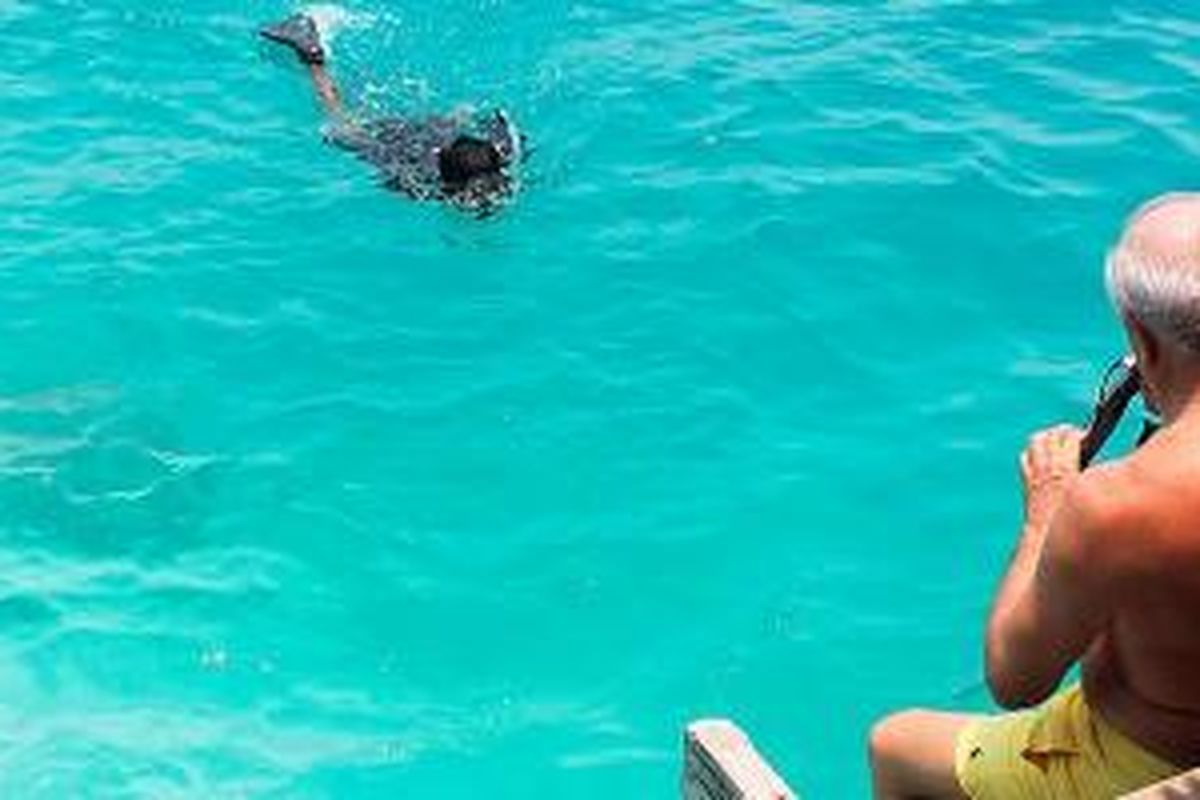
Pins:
<point x="1167" y="229"/>
<point x="1154" y="272"/>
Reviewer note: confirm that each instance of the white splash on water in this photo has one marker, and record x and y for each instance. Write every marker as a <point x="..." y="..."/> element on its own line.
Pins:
<point x="331" y="19"/>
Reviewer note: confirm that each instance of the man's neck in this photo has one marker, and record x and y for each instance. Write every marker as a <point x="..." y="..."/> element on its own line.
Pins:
<point x="1183" y="407"/>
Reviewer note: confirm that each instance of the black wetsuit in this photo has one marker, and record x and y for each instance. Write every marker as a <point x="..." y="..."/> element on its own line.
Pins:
<point x="405" y="151"/>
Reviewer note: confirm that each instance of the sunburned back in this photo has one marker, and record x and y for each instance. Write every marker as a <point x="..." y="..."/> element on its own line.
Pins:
<point x="1145" y="674"/>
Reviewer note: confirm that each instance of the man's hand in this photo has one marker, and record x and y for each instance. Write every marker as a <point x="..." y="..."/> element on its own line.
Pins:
<point x="1054" y="601"/>
<point x="1049" y="465"/>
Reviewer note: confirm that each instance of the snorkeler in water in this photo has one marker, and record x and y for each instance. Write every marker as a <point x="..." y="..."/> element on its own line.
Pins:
<point x="465" y="162"/>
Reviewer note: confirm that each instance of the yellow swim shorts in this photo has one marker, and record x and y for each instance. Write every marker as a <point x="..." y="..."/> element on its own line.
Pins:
<point x="1058" y="750"/>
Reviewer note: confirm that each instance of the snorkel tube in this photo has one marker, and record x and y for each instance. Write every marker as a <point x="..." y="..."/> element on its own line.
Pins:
<point x="1121" y="383"/>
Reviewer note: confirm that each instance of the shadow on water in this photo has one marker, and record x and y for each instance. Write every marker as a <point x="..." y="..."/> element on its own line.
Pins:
<point x="78" y="475"/>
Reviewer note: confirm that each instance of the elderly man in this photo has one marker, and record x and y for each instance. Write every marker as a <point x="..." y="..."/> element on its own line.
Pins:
<point x="1106" y="574"/>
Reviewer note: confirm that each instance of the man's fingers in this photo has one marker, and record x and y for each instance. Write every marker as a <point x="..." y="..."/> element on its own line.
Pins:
<point x="1068" y="434"/>
<point x="1053" y="449"/>
<point x="1045" y="446"/>
<point x="1069" y="440"/>
<point x="1059" y="434"/>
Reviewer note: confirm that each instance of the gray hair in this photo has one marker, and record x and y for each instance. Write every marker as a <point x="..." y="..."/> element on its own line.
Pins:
<point x="1159" y="290"/>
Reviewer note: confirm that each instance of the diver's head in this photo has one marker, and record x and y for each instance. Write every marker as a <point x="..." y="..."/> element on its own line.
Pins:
<point x="1154" y="278"/>
<point x="468" y="159"/>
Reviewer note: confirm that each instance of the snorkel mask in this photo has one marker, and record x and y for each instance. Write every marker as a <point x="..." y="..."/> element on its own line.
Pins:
<point x="1120" y="384"/>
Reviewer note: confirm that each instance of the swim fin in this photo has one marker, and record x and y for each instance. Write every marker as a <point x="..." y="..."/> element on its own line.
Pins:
<point x="298" y="32"/>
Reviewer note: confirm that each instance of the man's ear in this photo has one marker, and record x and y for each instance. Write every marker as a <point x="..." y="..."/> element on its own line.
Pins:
<point x="1145" y="345"/>
<point x="1150" y="357"/>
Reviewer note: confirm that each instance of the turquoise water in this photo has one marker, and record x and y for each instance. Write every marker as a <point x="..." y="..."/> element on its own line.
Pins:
<point x="309" y="491"/>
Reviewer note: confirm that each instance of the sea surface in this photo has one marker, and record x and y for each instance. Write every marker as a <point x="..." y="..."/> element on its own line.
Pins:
<point x="309" y="491"/>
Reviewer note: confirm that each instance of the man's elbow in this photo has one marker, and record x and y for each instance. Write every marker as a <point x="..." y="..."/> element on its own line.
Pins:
<point x="1014" y="685"/>
<point x="1015" y="691"/>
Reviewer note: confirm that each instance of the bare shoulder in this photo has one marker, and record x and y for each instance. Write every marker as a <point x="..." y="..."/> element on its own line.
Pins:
<point x="1102" y="497"/>
<point x="1123" y="511"/>
<point x="1098" y="512"/>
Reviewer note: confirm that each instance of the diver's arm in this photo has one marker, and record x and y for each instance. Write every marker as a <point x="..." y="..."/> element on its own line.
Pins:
<point x="1051" y="604"/>
<point x="327" y="91"/>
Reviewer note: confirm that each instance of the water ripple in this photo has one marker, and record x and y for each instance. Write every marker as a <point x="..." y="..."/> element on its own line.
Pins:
<point x="310" y="491"/>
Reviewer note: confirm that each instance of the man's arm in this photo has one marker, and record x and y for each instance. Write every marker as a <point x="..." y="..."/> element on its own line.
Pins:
<point x="327" y="91"/>
<point x="1052" y="602"/>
